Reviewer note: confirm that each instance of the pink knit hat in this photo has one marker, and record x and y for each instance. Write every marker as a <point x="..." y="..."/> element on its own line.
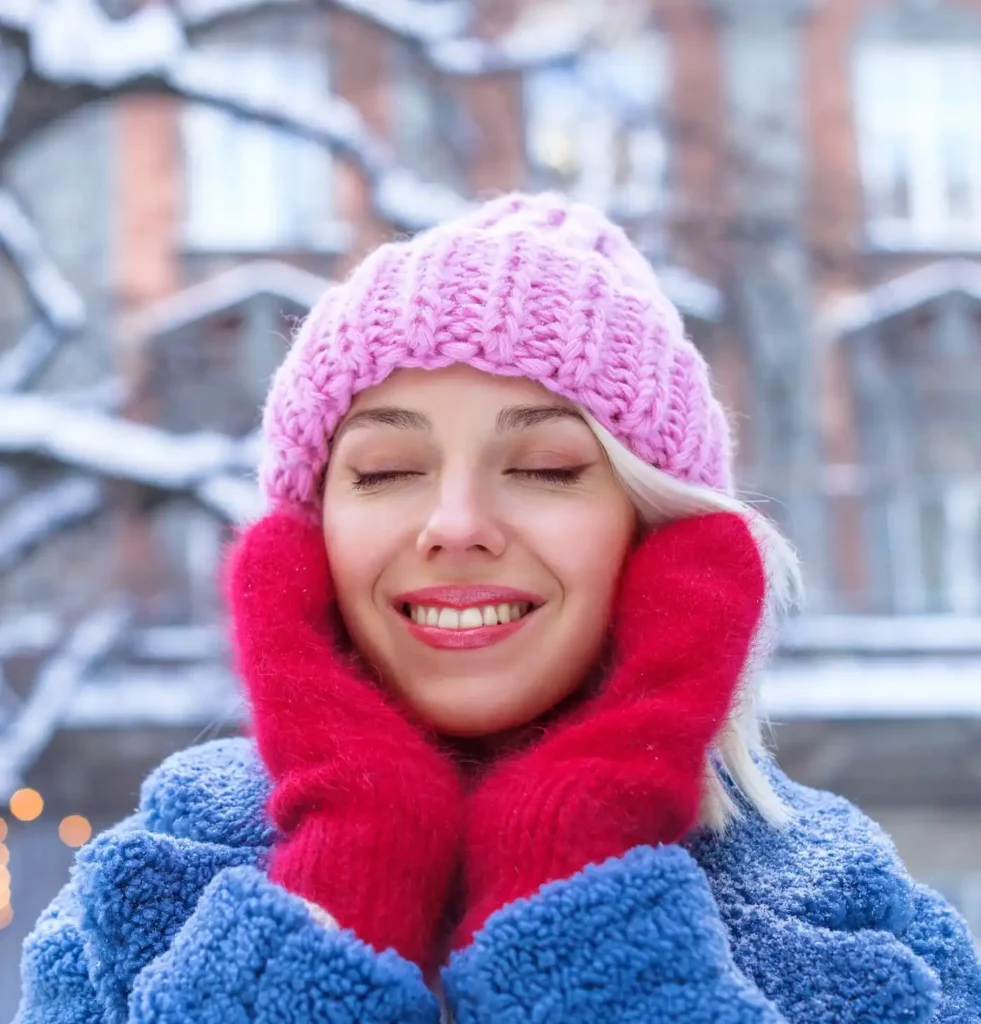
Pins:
<point x="524" y="286"/>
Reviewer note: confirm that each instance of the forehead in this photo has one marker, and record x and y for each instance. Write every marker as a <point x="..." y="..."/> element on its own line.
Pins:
<point x="459" y="384"/>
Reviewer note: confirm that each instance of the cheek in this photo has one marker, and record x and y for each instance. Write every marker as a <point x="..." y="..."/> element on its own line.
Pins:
<point x="358" y="550"/>
<point x="586" y="548"/>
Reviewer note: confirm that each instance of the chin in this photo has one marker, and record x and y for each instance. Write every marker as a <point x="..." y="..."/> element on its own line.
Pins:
<point x="471" y="722"/>
<point x="470" y="715"/>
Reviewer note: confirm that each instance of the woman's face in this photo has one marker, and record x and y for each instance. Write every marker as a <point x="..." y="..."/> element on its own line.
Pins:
<point x="475" y="532"/>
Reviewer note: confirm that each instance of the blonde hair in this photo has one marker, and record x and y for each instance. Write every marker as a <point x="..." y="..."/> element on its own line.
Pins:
<point x="739" y="748"/>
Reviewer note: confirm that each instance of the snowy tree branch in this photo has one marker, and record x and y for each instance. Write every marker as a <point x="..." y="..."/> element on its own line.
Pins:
<point x="149" y="51"/>
<point x="110" y="446"/>
<point x="440" y="32"/>
<point x="13" y="65"/>
<point x="413" y="20"/>
<point x="399" y="197"/>
<point x="23" y="740"/>
<point x="206" y="465"/>
<point x="57" y="302"/>
<point x="21" y="366"/>
<point x="43" y="512"/>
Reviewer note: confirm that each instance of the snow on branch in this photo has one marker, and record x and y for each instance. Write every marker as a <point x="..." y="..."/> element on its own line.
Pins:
<point x="57" y="683"/>
<point x="43" y="512"/>
<point x="110" y="446"/>
<point x="416" y="21"/>
<point x="399" y="197"/>
<point x="75" y="43"/>
<point x="903" y="294"/>
<point x="13" y="65"/>
<point x="232" y="497"/>
<point x="28" y="633"/>
<point x="58" y="303"/>
<point x="27" y="359"/>
<point x="440" y="32"/>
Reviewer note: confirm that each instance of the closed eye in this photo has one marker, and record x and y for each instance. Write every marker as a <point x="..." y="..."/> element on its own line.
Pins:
<point x="368" y="481"/>
<point x="554" y="475"/>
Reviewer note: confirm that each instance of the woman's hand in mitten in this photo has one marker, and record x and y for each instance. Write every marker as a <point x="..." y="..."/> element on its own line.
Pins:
<point x="368" y="809"/>
<point x="627" y="767"/>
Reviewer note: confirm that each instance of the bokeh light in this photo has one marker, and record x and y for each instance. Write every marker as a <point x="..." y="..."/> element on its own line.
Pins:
<point x="26" y="804"/>
<point x="6" y="915"/>
<point x="3" y="830"/>
<point x="4" y="856"/>
<point x="74" y="830"/>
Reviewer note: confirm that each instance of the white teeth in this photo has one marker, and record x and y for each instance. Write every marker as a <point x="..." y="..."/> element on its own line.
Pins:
<point x="449" y="618"/>
<point x="471" y="618"/>
<point x="467" y="618"/>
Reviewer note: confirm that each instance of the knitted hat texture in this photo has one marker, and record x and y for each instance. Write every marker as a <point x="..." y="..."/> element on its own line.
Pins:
<point x="523" y="286"/>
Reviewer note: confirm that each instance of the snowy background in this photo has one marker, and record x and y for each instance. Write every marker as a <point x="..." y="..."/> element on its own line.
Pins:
<point x="180" y="180"/>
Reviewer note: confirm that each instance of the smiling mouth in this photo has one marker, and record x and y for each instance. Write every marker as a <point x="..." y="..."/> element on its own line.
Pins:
<point x="463" y="619"/>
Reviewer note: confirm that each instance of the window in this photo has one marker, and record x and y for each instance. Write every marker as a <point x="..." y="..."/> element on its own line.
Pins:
<point x="920" y="144"/>
<point x="593" y="128"/>
<point x="428" y="130"/>
<point x="250" y="186"/>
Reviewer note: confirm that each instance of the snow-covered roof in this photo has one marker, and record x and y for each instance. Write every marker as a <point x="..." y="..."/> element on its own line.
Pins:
<point x="903" y="294"/>
<point x="228" y="290"/>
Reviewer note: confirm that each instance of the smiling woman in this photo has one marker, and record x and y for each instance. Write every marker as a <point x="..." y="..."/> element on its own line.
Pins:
<point x="471" y="498"/>
<point x="499" y="631"/>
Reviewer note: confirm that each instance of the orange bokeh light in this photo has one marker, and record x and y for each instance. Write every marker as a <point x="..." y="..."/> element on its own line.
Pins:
<point x="6" y="915"/>
<point x="74" y="830"/>
<point x="3" y="830"/>
<point x="4" y="856"/>
<point x="26" y="804"/>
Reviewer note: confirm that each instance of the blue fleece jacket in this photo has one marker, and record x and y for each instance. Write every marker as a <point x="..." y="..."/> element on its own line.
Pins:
<point x="170" y="918"/>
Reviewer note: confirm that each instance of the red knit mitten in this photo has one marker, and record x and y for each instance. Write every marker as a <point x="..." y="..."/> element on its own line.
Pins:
<point x="626" y="768"/>
<point x="368" y="809"/>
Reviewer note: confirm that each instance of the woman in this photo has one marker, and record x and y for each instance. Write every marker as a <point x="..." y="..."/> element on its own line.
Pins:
<point x="498" y="633"/>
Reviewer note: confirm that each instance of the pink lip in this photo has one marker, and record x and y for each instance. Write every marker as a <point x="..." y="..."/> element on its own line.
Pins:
<point x="466" y="597"/>
<point x="463" y="639"/>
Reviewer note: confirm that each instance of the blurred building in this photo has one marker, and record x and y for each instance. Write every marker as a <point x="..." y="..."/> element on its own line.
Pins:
<point x="806" y="174"/>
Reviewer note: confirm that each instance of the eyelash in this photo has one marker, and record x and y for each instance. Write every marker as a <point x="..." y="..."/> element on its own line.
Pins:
<point x="370" y="481"/>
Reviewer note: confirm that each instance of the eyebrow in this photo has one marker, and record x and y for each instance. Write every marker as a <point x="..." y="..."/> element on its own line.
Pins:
<point x="519" y="417"/>
<point x="386" y="416"/>
<point x="514" y="417"/>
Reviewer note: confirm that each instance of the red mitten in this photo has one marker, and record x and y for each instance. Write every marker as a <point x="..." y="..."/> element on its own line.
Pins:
<point x="626" y="768"/>
<point x="369" y="810"/>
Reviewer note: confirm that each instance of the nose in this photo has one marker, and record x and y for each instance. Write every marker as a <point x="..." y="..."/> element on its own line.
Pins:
<point x="462" y="521"/>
